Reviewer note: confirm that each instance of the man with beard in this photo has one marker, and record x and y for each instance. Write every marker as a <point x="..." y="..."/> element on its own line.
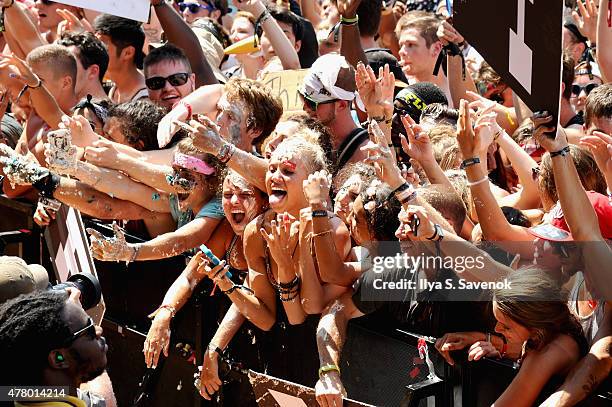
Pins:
<point x="46" y="339"/>
<point x="328" y="91"/>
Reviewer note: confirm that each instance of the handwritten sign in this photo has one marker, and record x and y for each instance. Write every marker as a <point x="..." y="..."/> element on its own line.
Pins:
<point x="133" y="9"/>
<point x="285" y="85"/>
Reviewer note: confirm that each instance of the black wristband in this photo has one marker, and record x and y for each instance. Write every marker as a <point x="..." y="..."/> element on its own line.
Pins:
<point x="319" y="213"/>
<point x="47" y="185"/>
<point x="469" y="161"/>
<point x="563" y="152"/>
<point x="290" y="285"/>
<point x="401" y="188"/>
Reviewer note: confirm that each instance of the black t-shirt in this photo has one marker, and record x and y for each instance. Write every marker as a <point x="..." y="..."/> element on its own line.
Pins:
<point x="577" y="119"/>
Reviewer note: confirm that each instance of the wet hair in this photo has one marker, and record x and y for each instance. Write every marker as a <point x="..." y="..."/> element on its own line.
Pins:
<point x="591" y="177"/>
<point x="369" y="22"/>
<point x="92" y="51"/>
<point x="167" y="52"/>
<point x="323" y="135"/>
<point x="138" y="120"/>
<point x="459" y="181"/>
<point x="447" y="202"/>
<point x="442" y="138"/>
<point x="123" y="33"/>
<point x="598" y="104"/>
<point x="264" y="109"/>
<point x="381" y="210"/>
<point x="58" y="57"/>
<point x="31" y="326"/>
<point x="567" y="75"/>
<point x="426" y="24"/>
<point x="311" y="153"/>
<point x="535" y="301"/>
<point x="365" y="171"/>
<point x="284" y="15"/>
<point x="440" y="113"/>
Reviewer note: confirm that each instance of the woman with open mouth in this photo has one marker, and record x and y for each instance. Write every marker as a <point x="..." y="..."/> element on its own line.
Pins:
<point x="242" y="202"/>
<point x="283" y="286"/>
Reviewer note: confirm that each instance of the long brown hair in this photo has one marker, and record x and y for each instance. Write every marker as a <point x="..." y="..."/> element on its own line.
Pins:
<point x="538" y="303"/>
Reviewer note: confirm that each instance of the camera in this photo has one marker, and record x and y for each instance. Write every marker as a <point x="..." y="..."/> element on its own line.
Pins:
<point x="87" y="284"/>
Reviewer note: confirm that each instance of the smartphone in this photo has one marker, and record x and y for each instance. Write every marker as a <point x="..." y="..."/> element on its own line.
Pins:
<point x="61" y="148"/>
<point x="414" y="224"/>
<point x="213" y="259"/>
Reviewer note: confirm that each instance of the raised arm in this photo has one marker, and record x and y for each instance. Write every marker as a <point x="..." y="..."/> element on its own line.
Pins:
<point x="604" y="40"/>
<point x="279" y="41"/>
<point x="21" y="28"/>
<point x="180" y="34"/>
<point x="472" y="144"/>
<point x="459" y="79"/>
<point x="350" y="40"/>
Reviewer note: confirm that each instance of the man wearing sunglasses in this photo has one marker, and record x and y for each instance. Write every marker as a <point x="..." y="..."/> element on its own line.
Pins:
<point x="327" y="94"/>
<point x="194" y="9"/>
<point x="168" y="75"/>
<point x="47" y="339"/>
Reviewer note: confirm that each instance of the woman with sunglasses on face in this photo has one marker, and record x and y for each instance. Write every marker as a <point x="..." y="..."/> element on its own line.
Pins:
<point x="586" y="78"/>
<point x="242" y="202"/>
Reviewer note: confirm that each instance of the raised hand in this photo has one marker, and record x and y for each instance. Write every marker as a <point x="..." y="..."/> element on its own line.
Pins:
<point x="586" y="21"/>
<point x="206" y="135"/>
<point x="469" y="144"/>
<point x="80" y="130"/>
<point x="168" y="125"/>
<point x="111" y="248"/>
<point x="282" y="242"/>
<point x="414" y="229"/>
<point x="316" y="187"/>
<point x="448" y="34"/>
<point x="542" y="124"/>
<point x="71" y="22"/>
<point x="329" y="390"/>
<point x="379" y="155"/>
<point x="600" y="145"/>
<point x="418" y="146"/>
<point x="25" y="75"/>
<point x="376" y="94"/>
<point x="347" y="8"/>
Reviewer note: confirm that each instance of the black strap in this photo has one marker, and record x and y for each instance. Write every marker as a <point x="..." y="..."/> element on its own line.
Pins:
<point x="350" y="145"/>
<point x="451" y="49"/>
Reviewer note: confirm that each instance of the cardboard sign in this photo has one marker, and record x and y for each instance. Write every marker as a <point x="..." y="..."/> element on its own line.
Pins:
<point x="69" y="249"/>
<point x="285" y="85"/>
<point x="133" y="9"/>
<point x="522" y="41"/>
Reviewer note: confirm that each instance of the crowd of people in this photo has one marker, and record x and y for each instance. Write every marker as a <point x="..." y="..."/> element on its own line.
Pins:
<point x="154" y="128"/>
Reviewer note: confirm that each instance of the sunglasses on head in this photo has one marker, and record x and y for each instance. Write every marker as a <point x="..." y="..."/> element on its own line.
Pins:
<point x="577" y="89"/>
<point x="47" y="2"/>
<point x="194" y="8"/>
<point x="158" y="82"/>
<point x="313" y="104"/>
<point x="89" y="330"/>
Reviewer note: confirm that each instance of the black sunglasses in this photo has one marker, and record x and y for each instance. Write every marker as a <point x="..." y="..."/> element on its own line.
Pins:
<point x="577" y="89"/>
<point x="313" y="104"/>
<point x="89" y="330"/>
<point x="158" y="82"/>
